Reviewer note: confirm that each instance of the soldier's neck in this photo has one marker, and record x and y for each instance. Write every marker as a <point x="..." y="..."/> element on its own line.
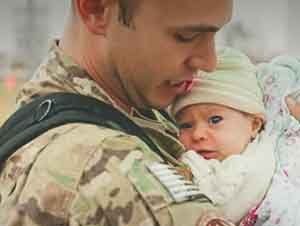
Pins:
<point x="94" y="62"/>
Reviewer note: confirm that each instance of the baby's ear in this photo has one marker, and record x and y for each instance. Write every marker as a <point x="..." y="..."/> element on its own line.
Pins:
<point x="257" y="124"/>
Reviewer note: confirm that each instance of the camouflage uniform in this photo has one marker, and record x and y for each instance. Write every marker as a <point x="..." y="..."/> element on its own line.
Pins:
<point x="80" y="174"/>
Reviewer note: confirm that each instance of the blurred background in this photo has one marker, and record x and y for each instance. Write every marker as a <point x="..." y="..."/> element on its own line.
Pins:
<point x="262" y="29"/>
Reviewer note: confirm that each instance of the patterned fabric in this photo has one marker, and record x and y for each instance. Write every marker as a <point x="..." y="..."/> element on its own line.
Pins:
<point x="251" y="217"/>
<point x="80" y="174"/>
<point x="281" y="205"/>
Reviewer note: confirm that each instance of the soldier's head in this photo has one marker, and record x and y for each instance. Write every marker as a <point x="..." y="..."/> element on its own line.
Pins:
<point x="147" y="51"/>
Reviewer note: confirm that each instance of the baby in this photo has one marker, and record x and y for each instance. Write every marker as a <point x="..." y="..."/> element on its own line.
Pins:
<point x="221" y="123"/>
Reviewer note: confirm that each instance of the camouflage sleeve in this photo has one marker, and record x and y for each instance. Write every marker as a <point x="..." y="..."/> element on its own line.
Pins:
<point x="106" y="196"/>
<point x="86" y="176"/>
<point x="116" y="189"/>
<point x="80" y="176"/>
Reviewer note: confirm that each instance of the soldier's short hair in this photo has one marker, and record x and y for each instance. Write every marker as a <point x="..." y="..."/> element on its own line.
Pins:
<point x="127" y="8"/>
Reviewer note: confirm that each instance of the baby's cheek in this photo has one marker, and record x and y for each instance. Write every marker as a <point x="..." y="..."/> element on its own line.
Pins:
<point x="184" y="139"/>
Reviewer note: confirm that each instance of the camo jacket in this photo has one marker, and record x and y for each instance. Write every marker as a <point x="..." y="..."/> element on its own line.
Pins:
<point x="86" y="175"/>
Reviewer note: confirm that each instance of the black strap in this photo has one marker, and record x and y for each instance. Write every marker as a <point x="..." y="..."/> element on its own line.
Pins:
<point x="57" y="109"/>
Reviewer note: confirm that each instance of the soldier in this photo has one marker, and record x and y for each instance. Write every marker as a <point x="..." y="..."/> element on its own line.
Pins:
<point x="136" y="56"/>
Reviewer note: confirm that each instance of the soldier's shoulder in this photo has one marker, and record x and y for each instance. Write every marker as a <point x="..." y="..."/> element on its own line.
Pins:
<point x="69" y="149"/>
<point x="87" y="135"/>
<point x="77" y="141"/>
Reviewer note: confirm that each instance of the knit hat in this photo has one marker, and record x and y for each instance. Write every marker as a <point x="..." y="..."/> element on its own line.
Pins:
<point x="233" y="84"/>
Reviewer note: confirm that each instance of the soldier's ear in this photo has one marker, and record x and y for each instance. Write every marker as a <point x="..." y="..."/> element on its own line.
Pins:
<point x="95" y="14"/>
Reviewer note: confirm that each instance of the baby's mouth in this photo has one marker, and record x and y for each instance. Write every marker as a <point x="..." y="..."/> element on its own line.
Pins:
<point x="208" y="154"/>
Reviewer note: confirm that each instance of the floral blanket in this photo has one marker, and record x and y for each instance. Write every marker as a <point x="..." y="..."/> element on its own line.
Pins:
<point x="281" y="205"/>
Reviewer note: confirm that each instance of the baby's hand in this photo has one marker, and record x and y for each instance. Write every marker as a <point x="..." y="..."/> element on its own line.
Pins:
<point x="293" y="104"/>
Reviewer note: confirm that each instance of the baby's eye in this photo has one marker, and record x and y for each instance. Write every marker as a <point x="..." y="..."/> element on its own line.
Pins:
<point x="185" y="125"/>
<point x="215" y="119"/>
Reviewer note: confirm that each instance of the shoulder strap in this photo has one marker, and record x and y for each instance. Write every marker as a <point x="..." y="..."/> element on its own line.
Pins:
<point x="57" y="109"/>
<point x="167" y="116"/>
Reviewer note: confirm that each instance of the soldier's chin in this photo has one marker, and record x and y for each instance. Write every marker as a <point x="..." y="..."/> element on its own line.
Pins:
<point x="157" y="106"/>
<point x="156" y="102"/>
<point x="163" y="104"/>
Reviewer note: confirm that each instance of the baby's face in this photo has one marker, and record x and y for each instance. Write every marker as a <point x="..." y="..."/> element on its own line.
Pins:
<point x="215" y="131"/>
